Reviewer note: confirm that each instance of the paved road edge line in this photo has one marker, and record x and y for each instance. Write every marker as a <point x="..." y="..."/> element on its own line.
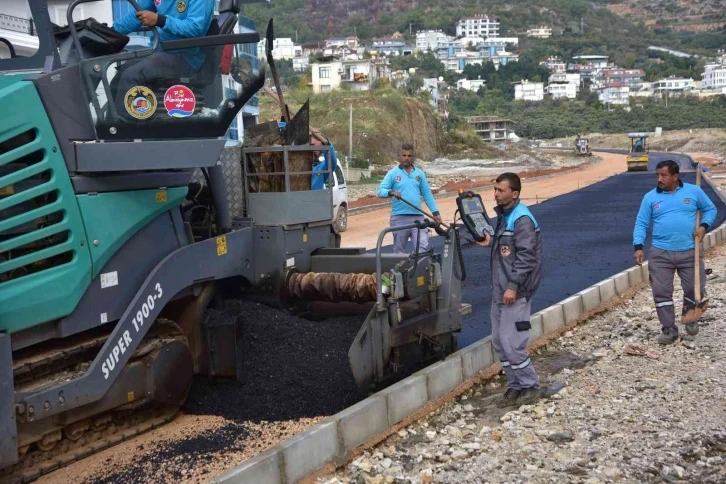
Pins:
<point x="334" y="440"/>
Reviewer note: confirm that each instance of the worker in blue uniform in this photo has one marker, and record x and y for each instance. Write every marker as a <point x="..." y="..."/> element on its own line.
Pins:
<point x="174" y="20"/>
<point x="671" y="207"/>
<point x="409" y="183"/>
<point x="320" y="160"/>
<point x="516" y="268"/>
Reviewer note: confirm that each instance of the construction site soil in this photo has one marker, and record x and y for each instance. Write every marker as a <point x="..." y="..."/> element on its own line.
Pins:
<point x="297" y="370"/>
<point x="470" y="184"/>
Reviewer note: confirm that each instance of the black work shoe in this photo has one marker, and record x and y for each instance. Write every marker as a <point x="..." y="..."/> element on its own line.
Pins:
<point x="509" y="397"/>
<point x="692" y="328"/>
<point x="529" y="396"/>
<point x="669" y="336"/>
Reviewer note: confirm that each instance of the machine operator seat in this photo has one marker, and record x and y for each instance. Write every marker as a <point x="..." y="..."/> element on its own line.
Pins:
<point x="202" y="85"/>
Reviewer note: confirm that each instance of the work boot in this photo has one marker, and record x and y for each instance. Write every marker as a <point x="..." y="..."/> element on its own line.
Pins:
<point x="529" y="396"/>
<point x="669" y="336"/>
<point x="509" y="397"/>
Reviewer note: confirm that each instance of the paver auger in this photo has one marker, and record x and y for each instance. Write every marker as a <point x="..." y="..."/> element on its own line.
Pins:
<point x="118" y="232"/>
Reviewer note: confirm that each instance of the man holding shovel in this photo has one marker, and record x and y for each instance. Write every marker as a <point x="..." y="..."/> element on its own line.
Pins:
<point x="406" y="183"/>
<point x="675" y="209"/>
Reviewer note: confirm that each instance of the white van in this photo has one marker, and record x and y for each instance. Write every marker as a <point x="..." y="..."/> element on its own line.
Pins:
<point x="340" y="200"/>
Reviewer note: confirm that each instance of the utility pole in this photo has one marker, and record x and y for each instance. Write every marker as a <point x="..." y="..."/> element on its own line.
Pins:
<point x="350" y="142"/>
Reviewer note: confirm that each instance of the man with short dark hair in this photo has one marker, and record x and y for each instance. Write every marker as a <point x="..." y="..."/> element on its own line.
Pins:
<point x="408" y="183"/>
<point x="516" y="267"/>
<point x="671" y="206"/>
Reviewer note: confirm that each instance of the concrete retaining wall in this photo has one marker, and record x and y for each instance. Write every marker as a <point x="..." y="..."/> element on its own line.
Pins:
<point x="333" y="439"/>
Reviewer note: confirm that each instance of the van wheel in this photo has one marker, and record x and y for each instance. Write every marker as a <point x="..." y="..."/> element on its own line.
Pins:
<point x="341" y="222"/>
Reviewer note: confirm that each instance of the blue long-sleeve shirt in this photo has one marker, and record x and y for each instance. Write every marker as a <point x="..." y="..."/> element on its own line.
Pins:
<point x="412" y="186"/>
<point x="182" y="19"/>
<point x="674" y="217"/>
<point x="319" y="179"/>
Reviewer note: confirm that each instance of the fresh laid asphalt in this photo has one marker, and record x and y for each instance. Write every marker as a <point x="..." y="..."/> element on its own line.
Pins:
<point x="587" y="236"/>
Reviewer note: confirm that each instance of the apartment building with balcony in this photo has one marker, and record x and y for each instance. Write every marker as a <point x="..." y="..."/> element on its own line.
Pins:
<point x="554" y="64"/>
<point x="390" y="46"/>
<point x="674" y="85"/>
<point x="428" y="40"/>
<point x="529" y="91"/>
<point x="492" y="128"/>
<point x="614" y="93"/>
<point x="633" y="78"/>
<point x="714" y="76"/>
<point x="562" y="91"/>
<point x="479" y="26"/>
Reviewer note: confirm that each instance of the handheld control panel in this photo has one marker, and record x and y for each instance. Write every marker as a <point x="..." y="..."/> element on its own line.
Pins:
<point x="474" y="215"/>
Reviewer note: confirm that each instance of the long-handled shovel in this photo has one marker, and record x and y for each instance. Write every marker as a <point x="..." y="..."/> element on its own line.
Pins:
<point x="695" y="313"/>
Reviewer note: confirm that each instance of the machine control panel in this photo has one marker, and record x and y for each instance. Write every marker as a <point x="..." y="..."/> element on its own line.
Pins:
<point x="474" y="215"/>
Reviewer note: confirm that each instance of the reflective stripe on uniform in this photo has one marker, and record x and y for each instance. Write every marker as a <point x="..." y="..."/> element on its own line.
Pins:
<point x="689" y="300"/>
<point x="664" y="303"/>
<point x="505" y="363"/>
<point x="524" y="364"/>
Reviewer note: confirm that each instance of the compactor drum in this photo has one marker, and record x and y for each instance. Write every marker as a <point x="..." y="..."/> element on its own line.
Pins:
<point x="122" y="214"/>
<point x="637" y="158"/>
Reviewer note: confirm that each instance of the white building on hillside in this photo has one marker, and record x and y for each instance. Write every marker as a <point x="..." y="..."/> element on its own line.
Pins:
<point x="673" y="85"/>
<point x="283" y="48"/>
<point x="471" y="85"/>
<point x="566" y="78"/>
<point x="714" y="76"/>
<point x="427" y="40"/>
<point x="564" y="90"/>
<point x="326" y="76"/>
<point x="529" y="91"/>
<point x="479" y="26"/>
<point x="615" y="93"/>
<point x="554" y="64"/>
<point x="598" y="61"/>
<point x="540" y="32"/>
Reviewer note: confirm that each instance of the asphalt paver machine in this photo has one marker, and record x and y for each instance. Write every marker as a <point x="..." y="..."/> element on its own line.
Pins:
<point x="121" y="216"/>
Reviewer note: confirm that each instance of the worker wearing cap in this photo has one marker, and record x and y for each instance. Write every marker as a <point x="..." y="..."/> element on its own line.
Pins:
<point x="406" y="182"/>
<point x="671" y="206"/>
<point x="516" y="267"/>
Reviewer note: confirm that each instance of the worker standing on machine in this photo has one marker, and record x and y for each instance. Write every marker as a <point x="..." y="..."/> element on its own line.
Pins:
<point x="410" y="184"/>
<point x="672" y="206"/>
<point x="516" y="265"/>
<point x="320" y="161"/>
<point x="174" y="20"/>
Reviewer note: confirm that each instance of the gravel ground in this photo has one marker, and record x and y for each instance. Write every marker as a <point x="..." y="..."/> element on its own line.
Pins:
<point x="611" y="417"/>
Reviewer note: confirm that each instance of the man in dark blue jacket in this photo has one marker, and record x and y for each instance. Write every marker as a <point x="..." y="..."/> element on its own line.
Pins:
<point x="174" y="20"/>
<point x="671" y="206"/>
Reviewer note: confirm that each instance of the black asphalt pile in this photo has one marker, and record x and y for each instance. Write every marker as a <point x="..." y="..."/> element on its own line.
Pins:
<point x="294" y="368"/>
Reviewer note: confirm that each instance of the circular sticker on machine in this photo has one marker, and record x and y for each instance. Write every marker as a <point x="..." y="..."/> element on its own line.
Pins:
<point x="179" y="101"/>
<point x="140" y="102"/>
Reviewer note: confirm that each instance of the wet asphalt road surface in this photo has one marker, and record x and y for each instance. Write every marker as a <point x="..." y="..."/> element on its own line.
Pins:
<point x="586" y="236"/>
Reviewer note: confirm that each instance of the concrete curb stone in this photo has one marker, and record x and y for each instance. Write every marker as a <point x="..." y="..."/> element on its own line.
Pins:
<point x="442" y="377"/>
<point x="572" y="308"/>
<point x="553" y="318"/>
<point x="362" y="421"/>
<point x="622" y="282"/>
